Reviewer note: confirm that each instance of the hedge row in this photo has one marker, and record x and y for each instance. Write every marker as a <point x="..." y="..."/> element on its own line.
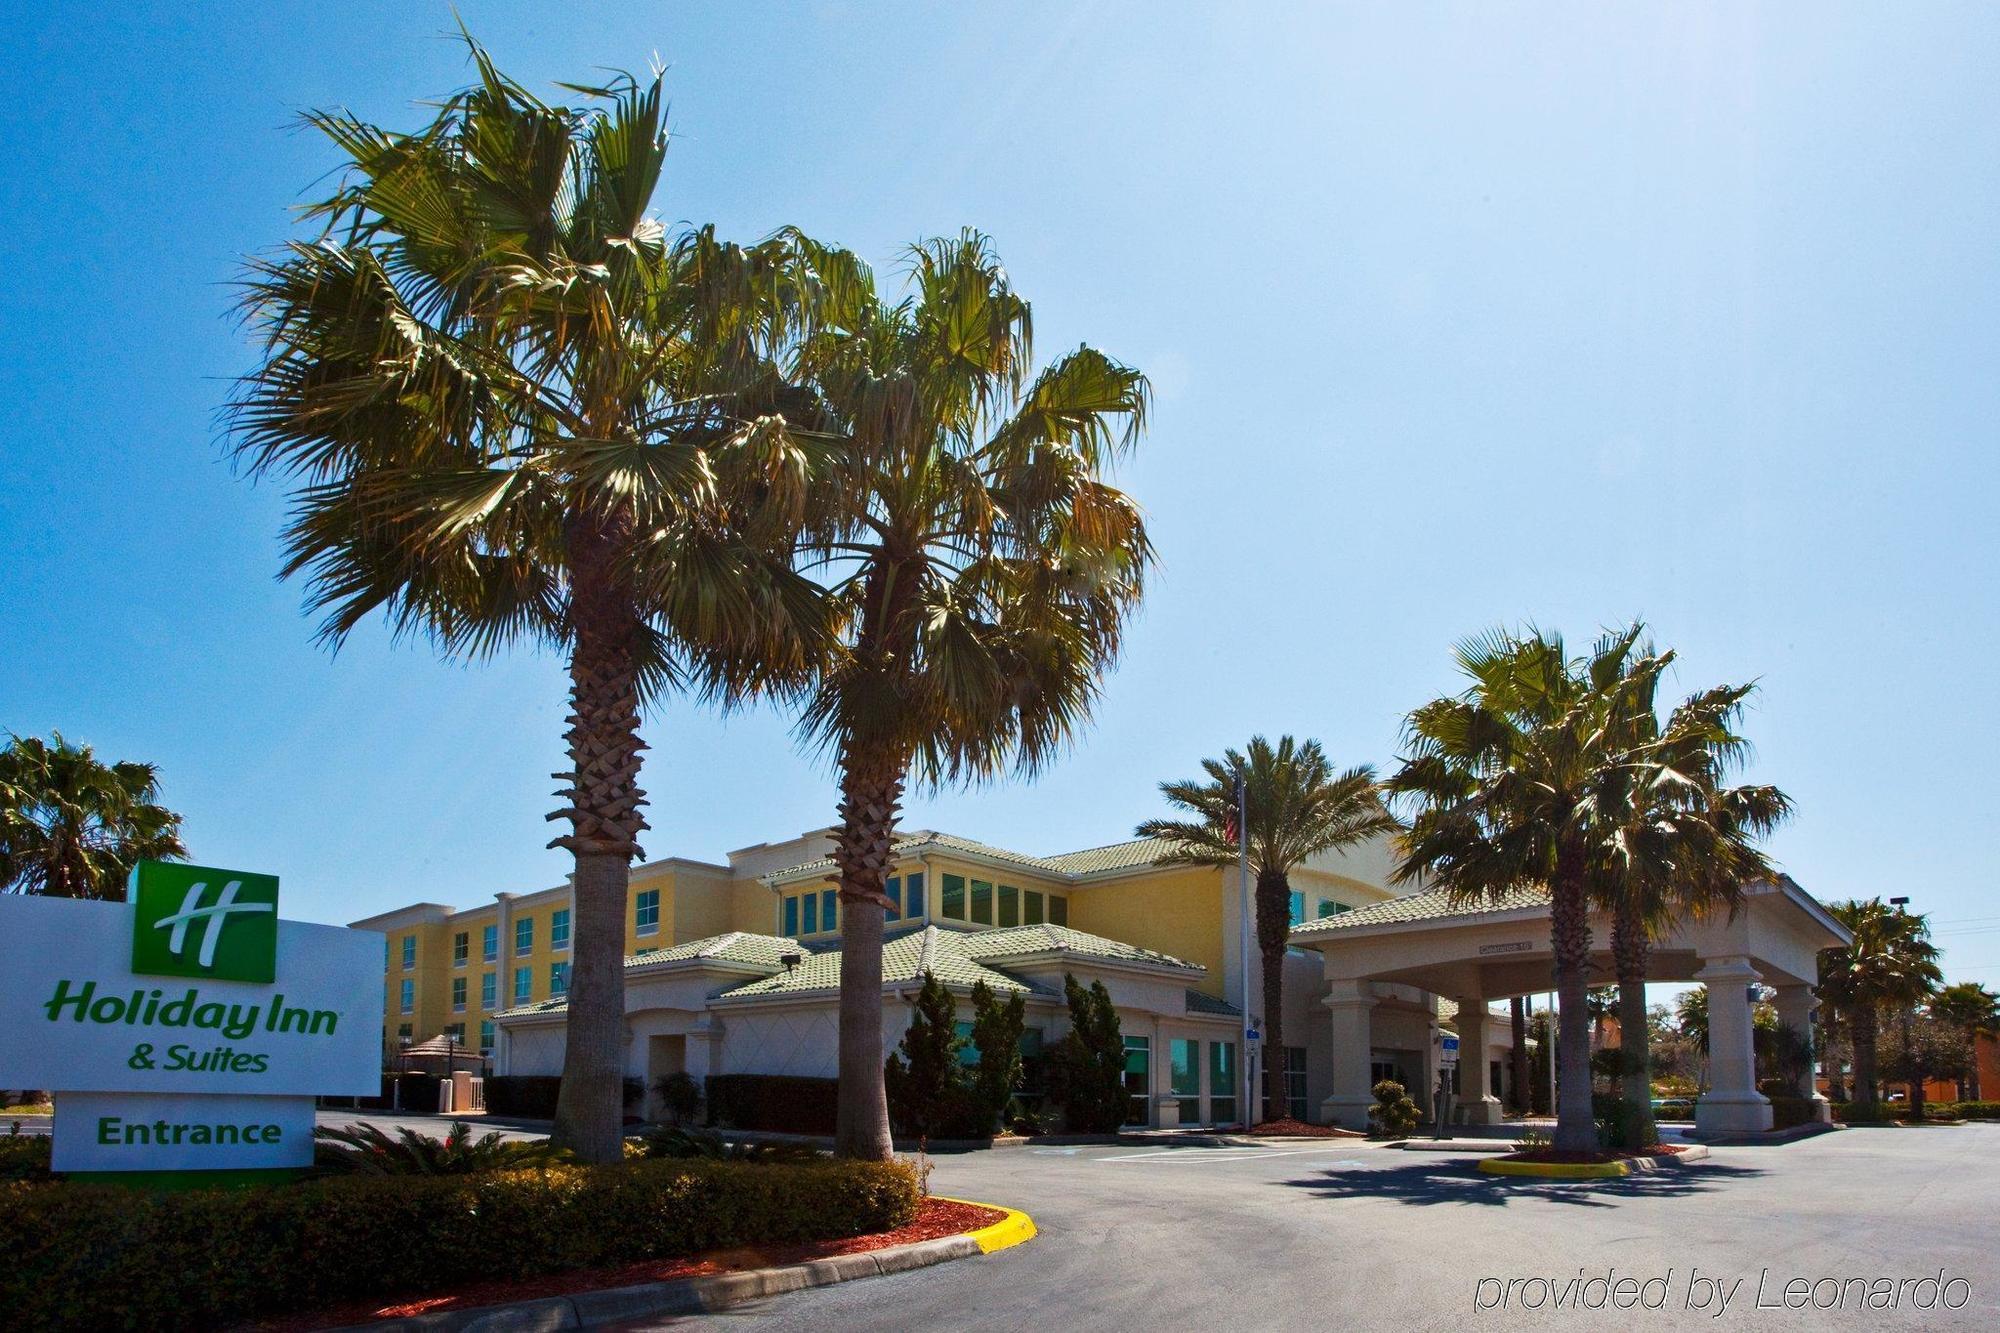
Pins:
<point x="100" y="1256"/>
<point x="533" y="1096"/>
<point x="784" y="1103"/>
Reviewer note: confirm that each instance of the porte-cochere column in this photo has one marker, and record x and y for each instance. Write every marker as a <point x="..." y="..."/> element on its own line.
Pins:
<point x="1732" y="1104"/>
<point x="1351" y="1005"/>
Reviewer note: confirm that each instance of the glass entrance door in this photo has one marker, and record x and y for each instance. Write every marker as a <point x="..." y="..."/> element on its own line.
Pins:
<point x="1139" y="1080"/>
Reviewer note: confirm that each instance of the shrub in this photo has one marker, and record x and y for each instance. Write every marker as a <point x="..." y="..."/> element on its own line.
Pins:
<point x="533" y="1096"/>
<point x="1979" y="1110"/>
<point x="24" y="1157"/>
<point x="1865" y="1113"/>
<point x="781" y="1102"/>
<point x="1393" y="1112"/>
<point x="933" y="1092"/>
<point x="364" y="1149"/>
<point x="1086" y="1069"/>
<point x="1788" y="1112"/>
<point x="680" y="1095"/>
<point x="702" y="1145"/>
<point x="102" y="1257"/>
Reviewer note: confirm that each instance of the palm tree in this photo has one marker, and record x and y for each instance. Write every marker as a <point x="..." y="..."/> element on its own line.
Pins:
<point x="1686" y="846"/>
<point x="1522" y="780"/>
<point x="981" y="569"/>
<point x="519" y="412"/>
<point x="72" y="826"/>
<point x="1975" y="1011"/>
<point x="1296" y="807"/>
<point x="1890" y="965"/>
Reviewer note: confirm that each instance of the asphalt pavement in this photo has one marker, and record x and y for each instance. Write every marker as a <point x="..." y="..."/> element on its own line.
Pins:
<point x="1351" y="1235"/>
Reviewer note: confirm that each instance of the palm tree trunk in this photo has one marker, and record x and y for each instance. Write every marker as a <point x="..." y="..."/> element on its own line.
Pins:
<point x="871" y="791"/>
<point x="1862" y="1023"/>
<point x="1518" y="1011"/>
<point x="1569" y="937"/>
<point x="1274" y="926"/>
<point x="604" y="808"/>
<point x="1629" y="949"/>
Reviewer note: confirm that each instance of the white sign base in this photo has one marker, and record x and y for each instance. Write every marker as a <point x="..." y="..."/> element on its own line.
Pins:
<point x="119" y="1131"/>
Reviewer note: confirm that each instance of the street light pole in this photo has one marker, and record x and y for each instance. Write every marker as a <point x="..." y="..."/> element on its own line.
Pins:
<point x="1246" y="1109"/>
<point x="1912" y="1076"/>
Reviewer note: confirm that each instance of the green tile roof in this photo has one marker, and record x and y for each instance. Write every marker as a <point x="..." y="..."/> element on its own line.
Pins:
<point x="1431" y="905"/>
<point x="1022" y="941"/>
<point x="1114" y="856"/>
<point x="904" y="959"/>
<point x="539" y="1007"/>
<point x="738" y="946"/>
<point x="1199" y="1002"/>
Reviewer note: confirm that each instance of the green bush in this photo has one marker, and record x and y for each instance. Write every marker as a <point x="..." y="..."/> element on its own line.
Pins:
<point x="1866" y="1113"/>
<point x="680" y="1095"/>
<point x="366" y="1150"/>
<point x="24" y="1157"/>
<point x="104" y="1257"/>
<point x="705" y="1145"/>
<point x="1789" y="1112"/>
<point x="1393" y="1113"/>
<point x="785" y="1103"/>
<point x="1086" y="1069"/>
<point x="1977" y="1110"/>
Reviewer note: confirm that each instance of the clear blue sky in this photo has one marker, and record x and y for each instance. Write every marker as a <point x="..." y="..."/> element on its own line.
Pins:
<point x="1456" y="314"/>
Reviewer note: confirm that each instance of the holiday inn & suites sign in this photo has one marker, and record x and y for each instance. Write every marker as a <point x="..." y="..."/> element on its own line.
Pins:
<point x="190" y="1027"/>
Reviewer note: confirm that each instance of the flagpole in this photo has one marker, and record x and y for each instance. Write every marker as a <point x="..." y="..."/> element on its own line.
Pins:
<point x="1249" y="1109"/>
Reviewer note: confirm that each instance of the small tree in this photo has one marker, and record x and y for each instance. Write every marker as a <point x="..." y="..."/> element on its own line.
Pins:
<point x="1920" y="1048"/>
<point x="680" y="1095"/>
<point x="925" y="1079"/>
<point x="996" y="1033"/>
<point x="1087" y="1067"/>
<point x="1394" y="1113"/>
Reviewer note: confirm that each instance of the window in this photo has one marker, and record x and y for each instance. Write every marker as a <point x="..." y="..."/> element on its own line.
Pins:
<point x="402" y="1030"/>
<point x="458" y="995"/>
<point x="489" y="990"/>
<point x="456" y="1032"/>
<point x="892" y="889"/>
<point x="1222" y="1082"/>
<point x="1138" y="1079"/>
<point x="791" y="918"/>
<point x="1184" y="1072"/>
<point x="827" y="913"/>
<point x="461" y="948"/>
<point x="486" y="1036"/>
<point x="559" y="928"/>
<point x="952" y="905"/>
<point x="1010" y="905"/>
<point x="1297" y="911"/>
<point x="809" y="914"/>
<point x="1328" y="907"/>
<point x="489" y="944"/>
<point x="968" y="1054"/>
<point x="524" y="937"/>
<point x="524" y="984"/>
<point x="1031" y="908"/>
<point x="388" y="952"/>
<point x="409" y="952"/>
<point x="913" y="895"/>
<point x="646" y="912"/>
<point x="558" y="979"/>
<point x="982" y="903"/>
<point x="407" y="997"/>
<point x="1058" y="911"/>
<point x="1295" y="1082"/>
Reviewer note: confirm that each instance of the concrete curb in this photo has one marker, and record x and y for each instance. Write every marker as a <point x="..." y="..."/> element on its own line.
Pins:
<point x="702" y="1295"/>
<point x="1694" y="1152"/>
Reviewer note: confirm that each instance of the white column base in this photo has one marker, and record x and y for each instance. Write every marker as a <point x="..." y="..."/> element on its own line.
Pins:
<point x="1732" y="1113"/>
<point x="1347" y="1112"/>
<point x="1481" y="1111"/>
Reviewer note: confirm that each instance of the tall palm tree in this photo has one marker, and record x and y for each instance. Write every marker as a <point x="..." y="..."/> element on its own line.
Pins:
<point x="1975" y="1011"/>
<point x="1519" y="781"/>
<point x="1686" y="845"/>
<point x="1890" y="965"/>
<point x="980" y="566"/>
<point x="73" y="826"/>
<point x="1296" y="807"/>
<point x="518" y="411"/>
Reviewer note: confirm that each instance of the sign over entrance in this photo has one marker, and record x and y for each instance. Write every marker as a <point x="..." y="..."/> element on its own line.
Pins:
<point x="196" y="987"/>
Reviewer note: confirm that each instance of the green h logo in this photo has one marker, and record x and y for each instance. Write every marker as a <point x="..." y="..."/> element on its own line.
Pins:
<point x="197" y="921"/>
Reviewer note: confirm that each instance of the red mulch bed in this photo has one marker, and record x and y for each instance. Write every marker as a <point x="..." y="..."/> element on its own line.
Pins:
<point x="1298" y="1129"/>
<point x="935" y="1218"/>
<point x="1608" y="1155"/>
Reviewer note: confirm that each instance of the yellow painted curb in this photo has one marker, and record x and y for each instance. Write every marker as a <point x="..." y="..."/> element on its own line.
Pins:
<point x="1493" y="1166"/>
<point x="1013" y="1229"/>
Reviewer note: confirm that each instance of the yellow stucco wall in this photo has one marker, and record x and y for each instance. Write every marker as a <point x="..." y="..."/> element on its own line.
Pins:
<point x="1176" y="911"/>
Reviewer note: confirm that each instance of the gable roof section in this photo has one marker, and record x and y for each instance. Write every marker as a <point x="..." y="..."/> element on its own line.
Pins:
<point x="904" y="959"/>
<point x="1028" y="941"/>
<point x="738" y="946"/>
<point x="1430" y="905"/>
<point x="1068" y="866"/>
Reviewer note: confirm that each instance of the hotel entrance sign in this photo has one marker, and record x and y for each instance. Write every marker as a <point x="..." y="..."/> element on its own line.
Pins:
<point x="192" y="988"/>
